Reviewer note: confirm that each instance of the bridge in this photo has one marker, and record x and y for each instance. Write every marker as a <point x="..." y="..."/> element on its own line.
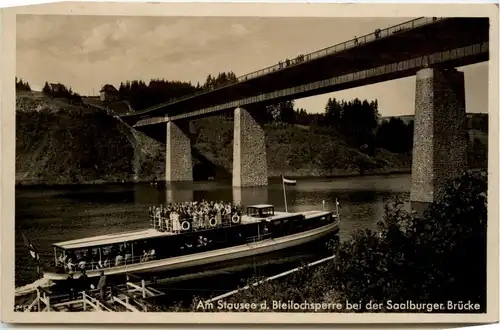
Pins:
<point x="429" y="48"/>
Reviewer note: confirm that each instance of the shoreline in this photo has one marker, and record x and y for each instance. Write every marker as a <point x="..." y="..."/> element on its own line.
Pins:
<point x="290" y="174"/>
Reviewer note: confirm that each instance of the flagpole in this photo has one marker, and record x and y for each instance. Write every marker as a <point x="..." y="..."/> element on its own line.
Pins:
<point x="337" y="206"/>
<point x="284" y="192"/>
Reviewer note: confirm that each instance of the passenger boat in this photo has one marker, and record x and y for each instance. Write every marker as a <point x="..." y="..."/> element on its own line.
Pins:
<point x="259" y="231"/>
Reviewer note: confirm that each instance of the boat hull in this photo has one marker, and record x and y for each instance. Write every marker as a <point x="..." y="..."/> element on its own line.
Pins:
<point x="214" y="258"/>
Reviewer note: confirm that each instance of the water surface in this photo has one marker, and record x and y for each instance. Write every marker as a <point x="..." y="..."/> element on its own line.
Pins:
<point x="48" y="215"/>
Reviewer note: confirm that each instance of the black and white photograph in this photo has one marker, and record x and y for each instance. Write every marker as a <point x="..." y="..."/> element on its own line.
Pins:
<point x="234" y="163"/>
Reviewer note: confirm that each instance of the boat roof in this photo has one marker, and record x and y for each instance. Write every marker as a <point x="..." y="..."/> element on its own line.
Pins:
<point x="261" y="206"/>
<point x="109" y="239"/>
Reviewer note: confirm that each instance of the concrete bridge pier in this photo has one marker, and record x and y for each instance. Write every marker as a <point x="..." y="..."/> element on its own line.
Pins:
<point x="249" y="151"/>
<point x="179" y="164"/>
<point x="439" y="140"/>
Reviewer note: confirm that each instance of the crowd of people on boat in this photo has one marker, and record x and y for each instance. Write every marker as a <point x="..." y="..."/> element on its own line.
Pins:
<point x="185" y="216"/>
<point x="115" y="257"/>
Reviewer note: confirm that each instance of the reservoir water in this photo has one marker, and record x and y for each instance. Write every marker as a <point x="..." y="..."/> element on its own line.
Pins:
<point x="51" y="214"/>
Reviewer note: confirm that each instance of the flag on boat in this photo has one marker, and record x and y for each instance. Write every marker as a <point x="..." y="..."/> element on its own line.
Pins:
<point x="337" y="202"/>
<point x="288" y="181"/>
<point x="30" y="247"/>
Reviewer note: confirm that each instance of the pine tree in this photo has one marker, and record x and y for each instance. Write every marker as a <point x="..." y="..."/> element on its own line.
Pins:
<point x="46" y="89"/>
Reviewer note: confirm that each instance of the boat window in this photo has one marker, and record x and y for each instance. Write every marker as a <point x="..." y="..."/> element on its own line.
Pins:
<point x="109" y="251"/>
<point x="79" y="254"/>
<point x="268" y="211"/>
<point x="260" y="212"/>
<point x="253" y="212"/>
<point x="60" y="256"/>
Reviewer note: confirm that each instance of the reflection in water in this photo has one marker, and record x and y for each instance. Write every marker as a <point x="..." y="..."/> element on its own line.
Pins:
<point x="50" y="215"/>
<point x="178" y="194"/>
<point x="250" y="195"/>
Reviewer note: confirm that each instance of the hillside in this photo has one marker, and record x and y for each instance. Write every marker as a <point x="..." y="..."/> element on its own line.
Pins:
<point x="294" y="150"/>
<point x="59" y="143"/>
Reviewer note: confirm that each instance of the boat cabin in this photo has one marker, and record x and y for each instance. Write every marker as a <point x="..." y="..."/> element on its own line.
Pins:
<point x="260" y="210"/>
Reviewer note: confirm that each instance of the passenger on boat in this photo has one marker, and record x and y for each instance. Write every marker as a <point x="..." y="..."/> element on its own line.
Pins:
<point x="62" y="259"/>
<point x="176" y="222"/>
<point x="228" y="213"/>
<point x="198" y="214"/>
<point x="70" y="265"/>
<point x="84" y="281"/>
<point x="94" y="264"/>
<point x="118" y="260"/>
<point x="165" y="222"/>
<point x="206" y="220"/>
<point x="218" y="216"/>
<point x="265" y="230"/>
<point x="82" y="264"/>
<point x="101" y="285"/>
<point x="158" y="217"/>
<point x="196" y="223"/>
<point x="186" y="246"/>
<point x="128" y="257"/>
<point x="70" y="286"/>
<point x="145" y="256"/>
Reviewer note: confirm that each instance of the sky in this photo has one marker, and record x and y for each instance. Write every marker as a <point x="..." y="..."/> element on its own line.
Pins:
<point x="86" y="52"/>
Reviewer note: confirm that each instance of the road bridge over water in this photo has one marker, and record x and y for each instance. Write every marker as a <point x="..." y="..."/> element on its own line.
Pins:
<point x="430" y="48"/>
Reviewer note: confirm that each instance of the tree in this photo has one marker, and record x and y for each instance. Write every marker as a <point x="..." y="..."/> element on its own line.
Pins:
<point x="394" y="135"/>
<point x="283" y="112"/>
<point x="46" y="89"/>
<point x="287" y="112"/>
<point x="142" y="95"/>
<point x="333" y="113"/>
<point x="356" y="120"/>
<point x="22" y="86"/>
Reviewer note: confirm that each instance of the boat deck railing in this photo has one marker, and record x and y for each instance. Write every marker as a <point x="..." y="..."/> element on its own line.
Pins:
<point x="106" y="263"/>
<point x="164" y="224"/>
<point x="258" y="238"/>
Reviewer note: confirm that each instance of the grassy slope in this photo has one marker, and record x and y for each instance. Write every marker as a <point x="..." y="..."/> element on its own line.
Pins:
<point x="57" y="143"/>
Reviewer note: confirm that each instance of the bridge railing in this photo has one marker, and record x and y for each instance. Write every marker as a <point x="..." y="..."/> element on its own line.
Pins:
<point x="377" y="34"/>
